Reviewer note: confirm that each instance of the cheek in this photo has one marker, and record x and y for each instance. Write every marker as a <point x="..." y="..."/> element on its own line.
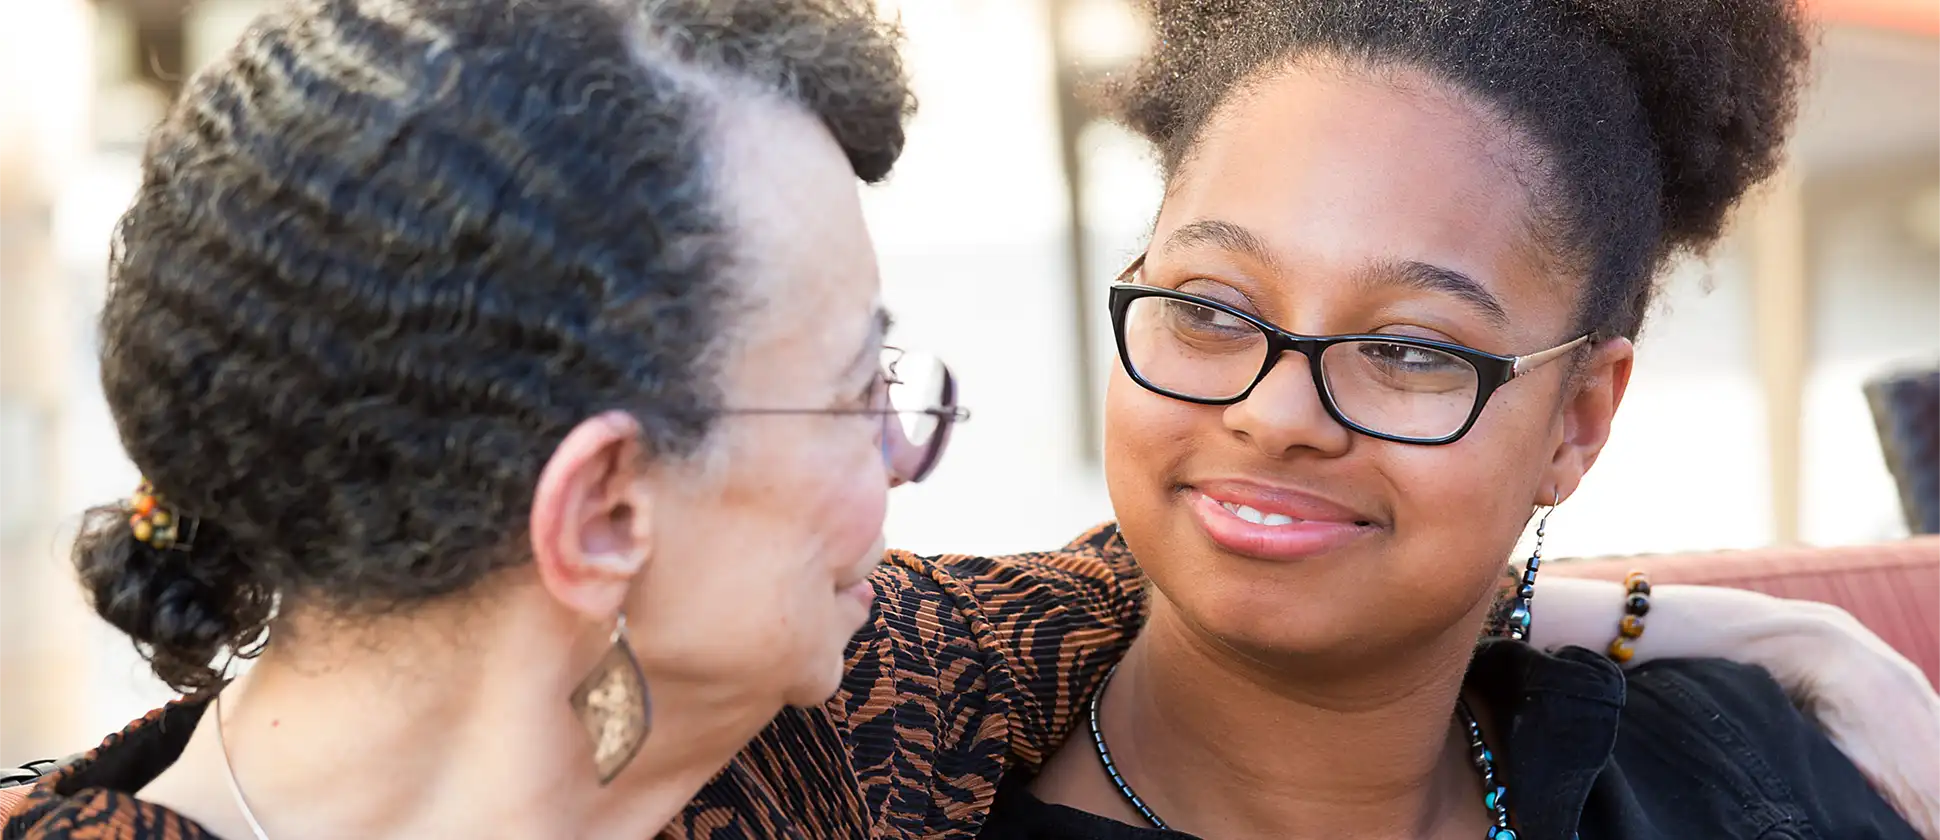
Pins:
<point x="1148" y="438"/>
<point x="1147" y="435"/>
<point x="842" y="499"/>
<point x="852" y="506"/>
<point x="1460" y="508"/>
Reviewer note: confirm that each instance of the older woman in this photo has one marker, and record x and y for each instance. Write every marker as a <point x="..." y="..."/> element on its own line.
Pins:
<point x="514" y="366"/>
<point x="516" y="371"/>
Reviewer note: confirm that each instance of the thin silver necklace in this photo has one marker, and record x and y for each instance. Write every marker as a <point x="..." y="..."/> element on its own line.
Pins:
<point x="229" y="773"/>
<point x="1492" y="798"/>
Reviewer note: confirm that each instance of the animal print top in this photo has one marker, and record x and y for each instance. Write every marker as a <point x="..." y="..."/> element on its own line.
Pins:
<point x="972" y="666"/>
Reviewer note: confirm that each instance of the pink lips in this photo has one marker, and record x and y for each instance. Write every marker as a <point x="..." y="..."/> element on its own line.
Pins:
<point x="862" y="592"/>
<point x="1271" y="523"/>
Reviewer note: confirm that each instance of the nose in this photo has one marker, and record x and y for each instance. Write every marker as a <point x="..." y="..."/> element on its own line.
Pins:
<point x="1284" y="413"/>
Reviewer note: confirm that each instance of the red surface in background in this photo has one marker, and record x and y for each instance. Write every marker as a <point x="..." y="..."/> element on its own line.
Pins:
<point x="1920" y="17"/>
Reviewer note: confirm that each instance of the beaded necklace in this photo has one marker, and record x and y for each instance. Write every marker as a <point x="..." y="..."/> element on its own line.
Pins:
<point x="1484" y="761"/>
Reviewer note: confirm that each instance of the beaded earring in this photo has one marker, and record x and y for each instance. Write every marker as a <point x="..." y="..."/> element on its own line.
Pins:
<point x="1520" y="616"/>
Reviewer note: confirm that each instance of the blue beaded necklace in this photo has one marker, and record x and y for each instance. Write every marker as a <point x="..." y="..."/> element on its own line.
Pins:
<point x="1479" y="752"/>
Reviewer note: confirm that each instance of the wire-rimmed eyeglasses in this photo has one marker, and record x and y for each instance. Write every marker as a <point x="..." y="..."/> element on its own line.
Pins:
<point x="916" y="397"/>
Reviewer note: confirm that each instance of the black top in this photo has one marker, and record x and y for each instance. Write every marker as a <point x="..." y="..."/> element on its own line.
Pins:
<point x="1692" y="749"/>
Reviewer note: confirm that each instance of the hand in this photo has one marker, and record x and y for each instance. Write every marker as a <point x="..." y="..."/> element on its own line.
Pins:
<point x="1877" y="707"/>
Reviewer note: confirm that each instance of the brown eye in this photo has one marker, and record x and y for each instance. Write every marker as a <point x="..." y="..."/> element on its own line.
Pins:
<point x="1200" y="320"/>
<point x="1216" y="291"/>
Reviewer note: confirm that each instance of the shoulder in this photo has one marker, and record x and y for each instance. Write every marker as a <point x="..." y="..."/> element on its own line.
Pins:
<point x="1090" y="583"/>
<point x="16" y="783"/>
<point x="974" y="663"/>
<point x="97" y="814"/>
<point x="92" y="795"/>
<point x="1735" y="725"/>
<point x="1018" y="634"/>
<point x="1095" y="566"/>
<point x="1019" y="612"/>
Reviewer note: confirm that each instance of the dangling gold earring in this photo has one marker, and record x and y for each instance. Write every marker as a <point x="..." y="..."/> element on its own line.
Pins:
<point x="612" y="703"/>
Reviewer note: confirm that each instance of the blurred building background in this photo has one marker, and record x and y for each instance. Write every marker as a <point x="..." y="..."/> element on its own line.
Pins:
<point x="1745" y="424"/>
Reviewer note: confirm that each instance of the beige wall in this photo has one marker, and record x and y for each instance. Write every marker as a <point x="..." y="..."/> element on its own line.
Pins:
<point x="45" y="85"/>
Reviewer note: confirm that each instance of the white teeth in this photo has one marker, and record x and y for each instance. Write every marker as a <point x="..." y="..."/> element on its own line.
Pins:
<point x="1256" y="517"/>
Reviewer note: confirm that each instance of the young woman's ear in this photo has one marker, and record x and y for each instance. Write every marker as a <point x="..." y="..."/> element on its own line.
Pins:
<point x="1587" y="412"/>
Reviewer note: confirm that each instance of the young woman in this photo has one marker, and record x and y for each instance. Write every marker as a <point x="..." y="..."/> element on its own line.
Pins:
<point x="1387" y="313"/>
<point x="442" y="415"/>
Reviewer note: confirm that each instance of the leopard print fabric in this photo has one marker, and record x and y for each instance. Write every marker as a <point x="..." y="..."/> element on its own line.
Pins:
<point x="971" y="667"/>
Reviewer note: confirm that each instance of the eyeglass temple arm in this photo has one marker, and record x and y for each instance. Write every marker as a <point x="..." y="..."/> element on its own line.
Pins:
<point x="1525" y="364"/>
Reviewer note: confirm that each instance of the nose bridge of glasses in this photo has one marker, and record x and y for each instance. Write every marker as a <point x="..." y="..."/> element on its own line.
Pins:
<point x="1294" y="357"/>
<point x="1305" y="349"/>
<point x="1286" y="407"/>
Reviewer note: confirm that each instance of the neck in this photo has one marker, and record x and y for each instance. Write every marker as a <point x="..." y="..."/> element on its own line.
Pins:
<point x="1294" y="748"/>
<point x="473" y="737"/>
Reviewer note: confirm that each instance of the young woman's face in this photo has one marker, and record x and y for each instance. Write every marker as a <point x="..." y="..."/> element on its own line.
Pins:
<point x="1333" y="201"/>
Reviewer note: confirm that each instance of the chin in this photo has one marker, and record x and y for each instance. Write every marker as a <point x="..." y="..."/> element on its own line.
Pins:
<point x="818" y="676"/>
<point x="1329" y="608"/>
<point x="816" y="689"/>
<point x="1272" y="624"/>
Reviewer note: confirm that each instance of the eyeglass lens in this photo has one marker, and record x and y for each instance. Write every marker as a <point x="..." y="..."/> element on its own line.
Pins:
<point x="1392" y="388"/>
<point x="922" y="399"/>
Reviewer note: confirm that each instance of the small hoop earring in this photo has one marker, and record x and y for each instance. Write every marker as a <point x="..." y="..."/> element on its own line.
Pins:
<point x="613" y="705"/>
<point x="1520" y="617"/>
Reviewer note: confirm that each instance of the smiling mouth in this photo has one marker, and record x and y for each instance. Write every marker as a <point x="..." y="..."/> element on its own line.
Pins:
<point x="1275" y="520"/>
<point x="1278" y="520"/>
<point x="1294" y="526"/>
<point x="1252" y="515"/>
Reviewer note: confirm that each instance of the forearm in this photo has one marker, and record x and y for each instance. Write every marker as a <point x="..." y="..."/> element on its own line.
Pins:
<point x="1690" y="621"/>
<point x="1874" y="703"/>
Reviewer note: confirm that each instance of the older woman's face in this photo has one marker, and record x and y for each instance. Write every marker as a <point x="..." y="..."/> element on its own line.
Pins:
<point x="759" y="574"/>
<point x="1313" y="202"/>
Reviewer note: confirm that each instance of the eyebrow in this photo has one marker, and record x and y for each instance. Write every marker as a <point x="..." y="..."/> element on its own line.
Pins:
<point x="873" y="343"/>
<point x="1411" y="274"/>
<point x="1222" y="234"/>
<point x="1428" y="277"/>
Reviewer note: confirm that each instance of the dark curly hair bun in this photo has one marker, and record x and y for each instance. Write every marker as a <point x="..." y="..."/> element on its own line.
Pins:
<point x="1718" y="80"/>
<point x="183" y="605"/>
<point x="1652" y="117"/>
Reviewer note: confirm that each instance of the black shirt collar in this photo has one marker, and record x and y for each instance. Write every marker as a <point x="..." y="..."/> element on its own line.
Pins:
<point x="1558" y="714"/>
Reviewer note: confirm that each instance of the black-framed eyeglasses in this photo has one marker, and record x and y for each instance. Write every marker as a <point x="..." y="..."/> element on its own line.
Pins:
<point x="1392" y="387"/>
<point x="918" y="393"/>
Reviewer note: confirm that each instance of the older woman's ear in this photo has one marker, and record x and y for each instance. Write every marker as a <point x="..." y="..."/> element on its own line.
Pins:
<point x="591" y="521"/>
